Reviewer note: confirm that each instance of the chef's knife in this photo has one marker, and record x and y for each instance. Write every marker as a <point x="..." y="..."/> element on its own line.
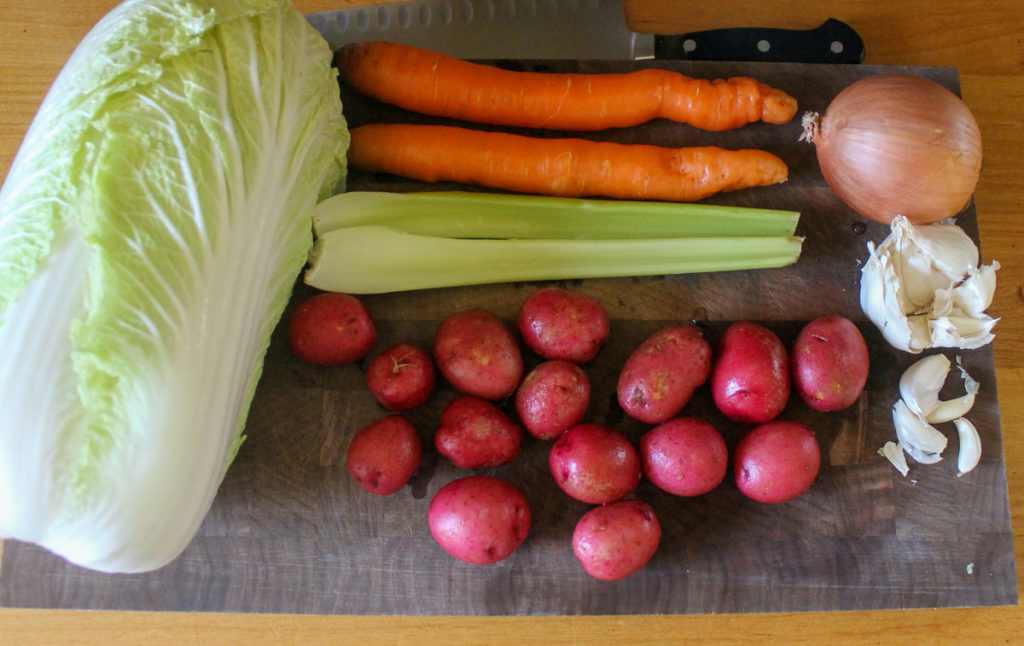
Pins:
<point x="573" y="29"/>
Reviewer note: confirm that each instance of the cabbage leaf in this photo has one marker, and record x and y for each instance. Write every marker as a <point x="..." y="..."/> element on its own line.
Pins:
<point x="152" y="227"/>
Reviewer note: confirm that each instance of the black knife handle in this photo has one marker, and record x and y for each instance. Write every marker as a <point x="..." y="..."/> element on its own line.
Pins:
<point x="832" y="42"/>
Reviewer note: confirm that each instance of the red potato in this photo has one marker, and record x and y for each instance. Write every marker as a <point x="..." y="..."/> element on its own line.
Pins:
<point x="594" y="464"/>
<point x="659" y="378"/>
<point x="560" y="324"/>
<point x="331" y="328"/>
<point x="830" y="363"/>
<point x="776" y="461"/>
<point x="401" y="377"/>
<point x="615" y="540"/>
<point x="478" y="355"/>
<point x="684" y="456"/>
<point x="750" y="379"/>
<point x="475" y="434"/>
<point x="553" y="397"/>
<point x="479" y="519"/>
<point x="384" y="455"/>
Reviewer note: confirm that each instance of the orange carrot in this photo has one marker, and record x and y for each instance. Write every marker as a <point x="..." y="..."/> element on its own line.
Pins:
<point x="433" y="83"/>
<point x="559" y="167"/>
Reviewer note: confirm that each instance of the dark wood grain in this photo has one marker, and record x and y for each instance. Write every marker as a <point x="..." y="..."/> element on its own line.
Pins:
<point x="290" y="532"/>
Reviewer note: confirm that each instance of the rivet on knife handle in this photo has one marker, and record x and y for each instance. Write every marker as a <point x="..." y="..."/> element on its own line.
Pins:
<point x="832" y="42"/>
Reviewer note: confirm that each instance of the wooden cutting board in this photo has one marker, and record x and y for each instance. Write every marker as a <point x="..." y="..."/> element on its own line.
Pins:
<point x="290" y="532"/>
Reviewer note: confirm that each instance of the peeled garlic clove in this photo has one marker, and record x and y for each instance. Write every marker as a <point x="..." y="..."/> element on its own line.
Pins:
<point x="894" y="454"/>
<point x="920" y="440"/>
<point x="921" y="382"/>
<point x="970" y="446"/>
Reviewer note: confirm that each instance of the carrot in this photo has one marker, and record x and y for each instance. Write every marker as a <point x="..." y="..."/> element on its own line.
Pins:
<point x="559" y="167"/>
<point x="432" y="83"/>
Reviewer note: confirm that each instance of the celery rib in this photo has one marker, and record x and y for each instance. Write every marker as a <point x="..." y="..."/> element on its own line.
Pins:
<point x="501" y="216"/>
<point x="378" y="259"/>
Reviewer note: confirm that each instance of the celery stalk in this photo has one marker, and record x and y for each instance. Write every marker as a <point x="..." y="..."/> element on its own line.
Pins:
<point x="490" y="215"/>
<point x="377" y="259"/>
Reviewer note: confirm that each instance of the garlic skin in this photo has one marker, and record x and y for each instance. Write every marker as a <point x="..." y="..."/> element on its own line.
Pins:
<point x="894" y="454"/>
<point x="922" y="287"/>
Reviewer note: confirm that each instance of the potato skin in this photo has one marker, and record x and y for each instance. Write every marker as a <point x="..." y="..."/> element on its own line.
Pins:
<point x="615" y="540"/>
<point x="552" y="398"/>
<point x="384" y="455"/>
<point x="660" y="376"/>
<point x="401" y="377"/>
<point x="830" y="363"/>
<point x="750" y="379"/>
<point x="479" y="519"/>
<point x="776" y="461"/>
<point x="475" y="434"/>
<point x="594" y="464"/>
<point x="478" y="355"/>
<point x="684" y="456"/>
<point x="560" y="324"/>
<point x="330" y="328"/>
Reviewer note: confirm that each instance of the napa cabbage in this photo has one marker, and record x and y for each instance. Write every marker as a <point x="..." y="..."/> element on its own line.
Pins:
<point x="152" y="226"/>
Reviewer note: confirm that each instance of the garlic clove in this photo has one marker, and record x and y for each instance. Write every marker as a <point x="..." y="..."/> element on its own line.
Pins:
<point x="894" y="454"/>
<point x="880" y="300"/>
<point x="961" y="331"/>
<point x="920" y="278"/>
<point x="970" y="446"/>
<point x="920" y="440"/>
<point x="921" y="382"/>
<point x="951" y="409"/>
<point x="974" y="295"/>
<point x="951" y="250"/>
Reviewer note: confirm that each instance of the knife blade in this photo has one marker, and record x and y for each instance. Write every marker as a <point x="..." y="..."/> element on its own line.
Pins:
<point x="572" y="29"/>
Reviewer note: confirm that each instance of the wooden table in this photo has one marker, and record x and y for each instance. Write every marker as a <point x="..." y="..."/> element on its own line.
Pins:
<point x="982" y="39"/>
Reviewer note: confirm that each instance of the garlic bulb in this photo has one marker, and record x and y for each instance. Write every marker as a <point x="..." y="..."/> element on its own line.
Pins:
<point x="923" y="288"/>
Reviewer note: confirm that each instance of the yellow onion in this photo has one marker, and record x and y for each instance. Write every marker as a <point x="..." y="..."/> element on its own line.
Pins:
<point x="898" y="144"/>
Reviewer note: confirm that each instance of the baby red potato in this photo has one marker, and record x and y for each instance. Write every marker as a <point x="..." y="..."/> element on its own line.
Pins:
<point x="560" y="324"/>
<point x="776" y="461"/>
<point x="479" y="519"/>
<point x="594" y="464"/>
<point x="478" y="355"/>
<point x="830" y="363"/>
<point x="475" y="434"/>
<point x="384" y="455"/>
<point x="552" y="398"/>
<point x="660" y="376"/>
<point x="401" y="377"/>
<point x="615" y="540"/>
<point x="750" y="380"/>
<point x="684" y="456"/>
<point x="331" y="328"/>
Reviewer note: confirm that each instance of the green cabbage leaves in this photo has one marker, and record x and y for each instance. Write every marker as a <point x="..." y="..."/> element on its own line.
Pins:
<point x="151" y="229"/>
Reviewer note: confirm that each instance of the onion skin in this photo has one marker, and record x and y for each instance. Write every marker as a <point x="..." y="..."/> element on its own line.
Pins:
<point x="898" y="144"/>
